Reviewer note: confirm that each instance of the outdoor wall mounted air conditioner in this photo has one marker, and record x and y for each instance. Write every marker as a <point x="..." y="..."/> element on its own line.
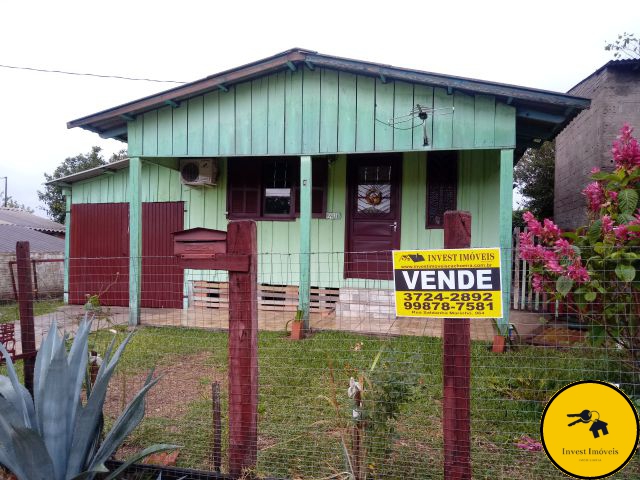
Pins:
<point x="199" y="171"/>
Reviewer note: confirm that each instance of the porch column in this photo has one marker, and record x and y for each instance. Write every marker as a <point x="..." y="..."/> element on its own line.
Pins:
<point x="506" y="232"/>
<point x="135" y="239"/>
<point x="305" y="238"/>
<point x="66" y="191"/>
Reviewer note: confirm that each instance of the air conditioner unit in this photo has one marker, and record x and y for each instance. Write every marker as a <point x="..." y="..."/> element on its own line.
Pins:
<point x="199" y="171"/>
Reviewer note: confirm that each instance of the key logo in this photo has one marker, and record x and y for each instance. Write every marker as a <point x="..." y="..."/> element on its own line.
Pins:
<point x="587" y="446"/>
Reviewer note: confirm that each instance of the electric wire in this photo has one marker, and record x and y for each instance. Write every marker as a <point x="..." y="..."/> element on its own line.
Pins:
<point x="84" y="74"/>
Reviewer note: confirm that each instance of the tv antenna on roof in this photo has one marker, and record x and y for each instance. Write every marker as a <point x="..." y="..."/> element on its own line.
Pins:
<point x="421" y="113"/>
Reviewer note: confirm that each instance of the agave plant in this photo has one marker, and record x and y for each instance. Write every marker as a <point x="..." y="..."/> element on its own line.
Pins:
<point x="56" y="435"/>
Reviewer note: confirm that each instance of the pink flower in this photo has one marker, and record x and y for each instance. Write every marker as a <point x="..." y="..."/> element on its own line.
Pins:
<point x="554" y="266"/>
<point x="607" y="224"/>
<point x="594" y="170"/>
<point x="537" y="283"/>
<point x="622" y="233"/>
<point x="626" y="151"/>
<point x="595" y="196"/>
<point x="564" y="247"/>
<point x="533" y="225"/>
<point x="613" y="195"/>
<point x="578" y="273"/>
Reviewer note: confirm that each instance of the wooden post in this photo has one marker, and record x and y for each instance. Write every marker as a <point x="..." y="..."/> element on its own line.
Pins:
<point x="506" y="233"/>
<point x="243" y="350"/>
<point x="66" y="191"/>
<point x="305" y="239"/>
<point x="135" y="239"/>
<point x="217" y="427"/>
<point x="456" y="368"/>
<point x="25" y="305"/>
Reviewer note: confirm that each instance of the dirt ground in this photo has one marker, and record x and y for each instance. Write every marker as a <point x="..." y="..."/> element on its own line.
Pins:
<point x="182" y="382"/>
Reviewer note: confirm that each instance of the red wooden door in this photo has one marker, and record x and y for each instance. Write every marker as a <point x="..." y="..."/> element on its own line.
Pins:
<point x="373" y="215"/>
<point x="99" y="253"/>
<point x="162" y="278"/>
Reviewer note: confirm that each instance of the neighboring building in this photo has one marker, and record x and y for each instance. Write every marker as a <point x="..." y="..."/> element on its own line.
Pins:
<point x="614" y="90"/>
<point x="246" y="133"/>
<point x="22" y="218"/>
<point x="46" y="241"/>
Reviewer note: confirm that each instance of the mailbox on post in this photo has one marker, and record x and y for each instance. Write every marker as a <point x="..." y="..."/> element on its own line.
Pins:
<point x="236" y="252"/>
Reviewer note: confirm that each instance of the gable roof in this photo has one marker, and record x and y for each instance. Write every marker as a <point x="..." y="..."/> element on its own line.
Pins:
<point x="632" y="64"/>
<point x="38" y="242"/>
<point x="540" y="114"/>
<point x="22" y="218"/>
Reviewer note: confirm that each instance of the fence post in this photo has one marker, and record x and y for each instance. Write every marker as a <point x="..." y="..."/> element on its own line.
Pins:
<point x="456" y="368"/>
<point x="243" y="350"/>
<point x="25" y="306"/>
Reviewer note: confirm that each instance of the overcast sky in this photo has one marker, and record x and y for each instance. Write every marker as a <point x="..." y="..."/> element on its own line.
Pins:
<point x="543" y="44"/>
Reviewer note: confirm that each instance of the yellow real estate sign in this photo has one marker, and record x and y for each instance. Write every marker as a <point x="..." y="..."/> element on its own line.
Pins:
<point x="463" y="283"/>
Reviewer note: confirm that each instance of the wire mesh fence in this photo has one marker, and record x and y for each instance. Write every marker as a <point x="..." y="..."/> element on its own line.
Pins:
<point x="361" y="396"/>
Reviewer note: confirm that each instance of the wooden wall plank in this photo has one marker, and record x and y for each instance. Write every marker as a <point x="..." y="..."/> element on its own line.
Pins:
<point x="195" y="126"/>
<point x="165" y="129"/>
<point x="175" y="187"/>
<point x="150" y="133"/>
<point x="259" y="116"/>
<point x="383" y="112"/>
<point x="153" y="174"/>
<point x="505" y="125"/>
<point x="211" y="124"/>
<point x="164" y="184"/>
<point x="227" y="102"/>
<point x="243" y="118"/>
<point x="365" y="114"/>
<point x="423" y="96"/>
<point x="275" y="120"/>
<point x="328" y="111"/>
<point x="484" y="123"/>
<point x="180" y="129"/>
<point x="293" y="112"/>
<point x="463" y="120"/>
<point x="443" y="122"/>
<point x="134" y="134"/>
<point x="347" y="102"/>
<point x="403" y="103"/>
<point x="310" y="111"/>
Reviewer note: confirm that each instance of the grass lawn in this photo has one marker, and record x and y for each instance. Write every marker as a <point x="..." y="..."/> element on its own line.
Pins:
<point x="300" y="431"/>
<point x="9" y="311"/>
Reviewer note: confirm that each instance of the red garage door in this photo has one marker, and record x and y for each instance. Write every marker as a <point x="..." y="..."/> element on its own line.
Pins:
<point x="162" y="278"/>
<point x="100" y="254"/>
<point x="99" y="263"/>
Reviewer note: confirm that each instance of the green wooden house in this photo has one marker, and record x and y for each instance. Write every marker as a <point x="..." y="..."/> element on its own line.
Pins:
<point x="328" y="155"/>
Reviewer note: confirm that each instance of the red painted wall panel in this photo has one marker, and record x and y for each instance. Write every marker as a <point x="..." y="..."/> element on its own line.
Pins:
<point x="162" y="278"/>
<point x="99" y="262"/>
<point x="99" y="253"/>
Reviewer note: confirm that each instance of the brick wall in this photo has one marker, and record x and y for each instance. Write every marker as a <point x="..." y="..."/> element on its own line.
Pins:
<point x="50" y="276"/>
<point x="586" y="142"/>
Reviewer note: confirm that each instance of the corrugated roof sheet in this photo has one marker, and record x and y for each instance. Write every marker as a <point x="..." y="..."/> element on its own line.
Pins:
<point x="17" y="216"/>
<point x="39" y="242"/>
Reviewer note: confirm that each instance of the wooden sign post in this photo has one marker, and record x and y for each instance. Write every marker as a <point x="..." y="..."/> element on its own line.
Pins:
<point x="25" y="307"/>
<point x="235" y="251"/>
<point x="456" y="368"/>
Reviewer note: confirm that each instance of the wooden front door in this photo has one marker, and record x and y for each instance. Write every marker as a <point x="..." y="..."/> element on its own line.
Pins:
<point x="373" y="215"/>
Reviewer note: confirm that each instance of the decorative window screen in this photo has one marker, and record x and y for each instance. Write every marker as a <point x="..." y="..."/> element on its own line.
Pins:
<point x="374" y="189"/>
<point x="442" y="186"/>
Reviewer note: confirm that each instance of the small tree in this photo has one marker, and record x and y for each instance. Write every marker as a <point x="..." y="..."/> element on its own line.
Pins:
<point x="625" y="47"/>
<point x="534" y="176"/>
<point x="599" y="264"/>
<point x="11" y="203"/>
<point x="52" y="196"/>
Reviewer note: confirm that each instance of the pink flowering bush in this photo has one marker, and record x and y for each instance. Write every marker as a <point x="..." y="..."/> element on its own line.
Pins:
<point x="596" y="266"/>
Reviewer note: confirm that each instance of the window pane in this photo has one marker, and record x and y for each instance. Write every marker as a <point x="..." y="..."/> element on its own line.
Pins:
<point x="442" y="186"/>
<point x="277" y="201"/>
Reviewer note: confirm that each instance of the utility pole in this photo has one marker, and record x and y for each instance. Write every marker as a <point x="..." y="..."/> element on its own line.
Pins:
<point x="5" y="191"/>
